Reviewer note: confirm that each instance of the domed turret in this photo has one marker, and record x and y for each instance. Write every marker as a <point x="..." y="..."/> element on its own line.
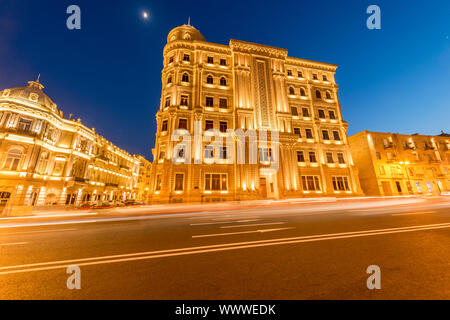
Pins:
<point x="33" y="92"/>
<point x="185" y="32"/>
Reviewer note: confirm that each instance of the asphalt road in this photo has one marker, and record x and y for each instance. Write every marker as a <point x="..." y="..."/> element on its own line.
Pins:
<point x="272" y="250"/>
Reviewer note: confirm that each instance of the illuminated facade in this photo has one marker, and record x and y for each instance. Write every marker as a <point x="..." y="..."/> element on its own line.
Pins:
<point x="144" y="179"/>
<point x="397" y="164"/>
<point x="249" y="86"/>
<point x="48" y="160"/>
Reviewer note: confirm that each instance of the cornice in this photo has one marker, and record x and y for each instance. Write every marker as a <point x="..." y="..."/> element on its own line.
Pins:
<point x="249" y="47"/>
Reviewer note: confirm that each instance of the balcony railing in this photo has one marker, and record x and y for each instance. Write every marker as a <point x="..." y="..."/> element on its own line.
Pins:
<point x="24" y="132"/>
<point x="108" y="184"/>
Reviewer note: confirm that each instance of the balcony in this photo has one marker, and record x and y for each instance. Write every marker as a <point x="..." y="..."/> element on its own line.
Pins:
<point x="389" y="145"/>
<point x="22" y="132"/>
<point x="115" y="185"/>
<point x="102" y="158"/>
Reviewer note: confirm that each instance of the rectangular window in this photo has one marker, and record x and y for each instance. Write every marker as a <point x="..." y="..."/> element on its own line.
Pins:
<point x="216" y="182"/>
<point x="209" y="152"/>
<point x="324" y="78"/>
<point x="312" y="157"/>
<point x="223" y="62"/>
<point x="24" y="124"/>
<point x="164" y="126"/>
<point x="158" y="182"/>
<point x="167" y="102"/>
<point x="223" y="103"/>
<point x="294" y="111"/>
<point x="341" y="159"/>
<point x="419" y="188"/>
<point x="209" y="124"/>
<point x="162" y="154"/>
<point x="305" y="112"/>
<point x="336" y="136"/>
<point x="184" y="100"/>
<point x="325" y="135"/>
<point x="209" y="101"/>
<point x="330" y="157"/>
<point x="223" y="126"/>
<point x="300" y="74"/>
<point x="265" y="154"/>
<point x="182" y="124"/>
<point x="223" y="153"/>
<point x="310" y="183"/>
<point x="300" y="156"/>
<point x="289" y="72"/>
<point x="341" y="184"/>
<point x="210" y="60"/>
<point x="321" y="114"/>
<point x="297" y="132"/>
<point x="309" y="134"/>
<point x="179" y="182"/>
<point x="315" y="76"/>
<point x="186" y="57"/>
<point x="170" y="59"/>
<point x="331" y="114"/>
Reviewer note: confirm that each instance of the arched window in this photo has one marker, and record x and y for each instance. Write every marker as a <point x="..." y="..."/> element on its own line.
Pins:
<point x="291" y="91"/>
<point x="42" y="164"/>
<point x="328" y="95"/>
<point x="13" y="159"/>
<point x="185" y="77"/>
<point x="318" y="94"/>
<point x="223" y="81"/>
<point x="302" y="92"/>
<point x="209" y="80"/>
<point x="169" y="79"/>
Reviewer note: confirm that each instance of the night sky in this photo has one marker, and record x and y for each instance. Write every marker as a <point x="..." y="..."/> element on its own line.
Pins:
<point x="396" y="79"/>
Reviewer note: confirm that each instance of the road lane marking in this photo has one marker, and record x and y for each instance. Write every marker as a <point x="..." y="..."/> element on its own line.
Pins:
<point x="39" y="231"/>
<point x="12" y="243"/>
<point x="241" y="232"/>
<point x="412" y="213"/>
<point x="234" y="218"/>
<point x="211" y="248"/>
<point x="222" y="222"/>
<point x="253" y="225"/>
<point x="51" y="216"/>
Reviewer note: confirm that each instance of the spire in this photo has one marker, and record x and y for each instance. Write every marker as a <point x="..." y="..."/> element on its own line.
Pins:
<point x="36" y="83"/>
<point x="189" y="21"/>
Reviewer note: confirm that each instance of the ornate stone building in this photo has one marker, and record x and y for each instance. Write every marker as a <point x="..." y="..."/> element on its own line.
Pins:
<point x="144" y="179"/>
<point x="247" y="86"/>
<point x="48" y="160"/>
<point x="399" y="164"/>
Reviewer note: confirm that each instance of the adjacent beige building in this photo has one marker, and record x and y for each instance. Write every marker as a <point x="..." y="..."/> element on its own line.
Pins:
<point x="248" y="86"/>
<point x="397" y="164"/>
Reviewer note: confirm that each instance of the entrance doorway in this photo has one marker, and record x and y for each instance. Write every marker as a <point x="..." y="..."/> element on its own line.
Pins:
<point x="263" y="187"/>
<point x="386" y="188"/>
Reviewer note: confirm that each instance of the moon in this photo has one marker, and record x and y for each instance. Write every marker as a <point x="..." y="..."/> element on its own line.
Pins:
<point x="145" y="15"/>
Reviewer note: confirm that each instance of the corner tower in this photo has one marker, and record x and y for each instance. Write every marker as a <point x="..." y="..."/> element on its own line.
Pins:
<point x="247" y="86"/>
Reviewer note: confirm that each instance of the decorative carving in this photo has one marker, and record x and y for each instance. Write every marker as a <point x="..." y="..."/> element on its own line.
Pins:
<point x="34" y="97"/>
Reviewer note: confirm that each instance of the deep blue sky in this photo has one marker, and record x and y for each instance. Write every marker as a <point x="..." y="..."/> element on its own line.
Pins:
<point x="109" y="73"/>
